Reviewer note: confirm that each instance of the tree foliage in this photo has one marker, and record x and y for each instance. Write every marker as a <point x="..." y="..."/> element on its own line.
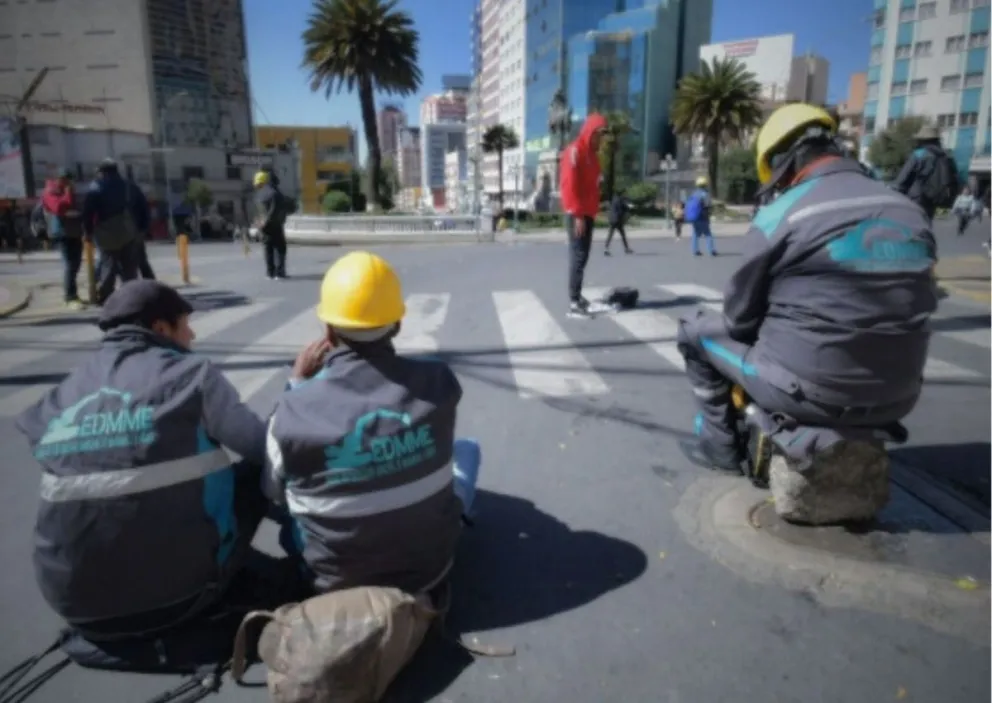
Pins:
<point x="498" y="139"/>
<point x="642" y="195"/>
<point x="199" y="194"/>
<point x="618" y="126"/>
<point x="364" y="45"/>
<point x="721" y="103"/>
<point x="335" y="201"/>
<point x="891" y="148"/>
<point x="738" y="175"/>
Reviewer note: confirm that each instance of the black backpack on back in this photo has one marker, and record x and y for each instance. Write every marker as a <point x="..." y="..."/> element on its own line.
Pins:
<point x="939" y="182"/>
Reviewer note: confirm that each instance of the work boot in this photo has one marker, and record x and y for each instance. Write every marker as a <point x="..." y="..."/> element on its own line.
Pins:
<point x="579" y="309"/>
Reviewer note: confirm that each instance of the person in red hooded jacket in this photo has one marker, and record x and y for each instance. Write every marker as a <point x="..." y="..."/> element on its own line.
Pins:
<point x="58" y="203"/>
<point x="579" y="188"/>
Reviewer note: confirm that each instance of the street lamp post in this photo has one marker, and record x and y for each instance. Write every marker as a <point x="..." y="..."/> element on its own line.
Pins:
<point x="667" y="166"/>
<point x="516" y="195"/>
<point x="166" y="104"/>
<point x="560" y="126"/>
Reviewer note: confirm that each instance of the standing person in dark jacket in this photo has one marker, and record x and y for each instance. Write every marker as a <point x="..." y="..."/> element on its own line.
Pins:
<point x="618" y="210"/>
<point x="64" y="227"/>
<point x="362" y="448"/>
<point x="826" y="318"/>
<point x="144" y="517"/>
<point x="270" y="219"/>
<point x="115" y="212"/>
<point x="915" y="180"/>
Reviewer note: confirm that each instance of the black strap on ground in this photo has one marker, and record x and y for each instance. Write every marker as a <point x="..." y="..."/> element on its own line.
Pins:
<point x="195" y="688"/>
<point x="9" y="693"/>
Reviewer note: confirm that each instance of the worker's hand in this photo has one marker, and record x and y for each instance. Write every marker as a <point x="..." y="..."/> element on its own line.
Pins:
<point x="310" y="360"/>
<point x="580" y="226"/>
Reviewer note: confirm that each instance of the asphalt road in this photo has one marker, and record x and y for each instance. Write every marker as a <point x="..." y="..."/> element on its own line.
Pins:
<point x="581" y="556"/>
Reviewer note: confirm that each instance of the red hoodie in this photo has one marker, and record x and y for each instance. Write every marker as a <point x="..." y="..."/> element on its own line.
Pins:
<point x="56" y="199"/>
<point x="579" y="170"/>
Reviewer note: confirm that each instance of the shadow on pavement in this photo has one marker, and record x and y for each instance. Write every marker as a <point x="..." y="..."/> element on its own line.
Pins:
<point x="964" y="322"/>
<point x="516" y="565"/>
<point x="964" y="466"/>
<point x="208" y="300"/>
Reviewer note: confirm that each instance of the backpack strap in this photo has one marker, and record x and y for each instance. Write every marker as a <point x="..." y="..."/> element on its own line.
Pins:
<point x="10" y="693"/>
<point x="239" y="658"/>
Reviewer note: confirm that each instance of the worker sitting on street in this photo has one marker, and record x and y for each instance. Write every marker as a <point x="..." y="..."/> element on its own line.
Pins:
<point x="361" y="447"/>
<point x="825" y="320"/>
<point x="145" y="522"/>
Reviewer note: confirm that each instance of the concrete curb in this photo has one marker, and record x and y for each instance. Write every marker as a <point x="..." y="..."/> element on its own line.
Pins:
<point x="20" y="298"/>
<point x="33" y="303"/>
<point x="325" y="239"/>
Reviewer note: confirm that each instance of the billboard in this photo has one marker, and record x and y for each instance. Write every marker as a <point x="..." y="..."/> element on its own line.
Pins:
<point x="11" y="160"/>
<point x="769" y="58"/>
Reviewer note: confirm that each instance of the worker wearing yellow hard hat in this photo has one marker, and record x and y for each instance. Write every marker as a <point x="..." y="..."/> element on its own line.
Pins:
<point x="362" y="447"/>
<point x="697" y="213"/>
<point x="824" y="320"/>
<point x="272" y="208"/>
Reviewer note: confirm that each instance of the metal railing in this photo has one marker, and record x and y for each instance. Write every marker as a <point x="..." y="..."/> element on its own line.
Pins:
<point x="318" y="227"/>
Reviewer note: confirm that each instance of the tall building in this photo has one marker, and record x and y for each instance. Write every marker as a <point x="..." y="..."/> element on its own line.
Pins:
<point x="489" y="91"/>
<point x="654" y="42"/>
<point x="126" y="75"/>
<point x="449" y="106"/>
<point x="851" y="111"/>
<point x="437" y="139"/>
<point x="512" y="93"/>
<point x="389" y="123"/>
<point x="408" y="168"/>
<point x="932" y="59"/>
<point x="809" y="79"/>
<point x="326" y="155"/>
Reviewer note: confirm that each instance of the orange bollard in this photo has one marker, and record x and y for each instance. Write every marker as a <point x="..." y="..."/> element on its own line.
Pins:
<point x="89" y="259"/>
<point x="182" y="244"/>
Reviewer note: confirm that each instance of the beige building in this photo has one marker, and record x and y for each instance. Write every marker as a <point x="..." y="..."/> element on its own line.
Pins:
<point x="457" y="190"/>
<point x="408" y="161"/>
<point x="390" y="123"/>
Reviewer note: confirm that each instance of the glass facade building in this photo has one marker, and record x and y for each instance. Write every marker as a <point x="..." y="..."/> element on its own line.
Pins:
<point x="613" y="55"/>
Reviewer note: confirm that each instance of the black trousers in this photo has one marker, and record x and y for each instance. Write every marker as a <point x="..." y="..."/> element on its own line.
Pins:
<point x="72" y="258"/>
<point x="578" y="255"/>
<point x="274" y="246"/>
<point x="623" y="235"/>
<point x="144" y="268"/>
<point x="111" y="264"/>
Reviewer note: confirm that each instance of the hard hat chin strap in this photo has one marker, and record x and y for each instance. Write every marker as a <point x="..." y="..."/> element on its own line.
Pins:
<point x="816" y="141"/>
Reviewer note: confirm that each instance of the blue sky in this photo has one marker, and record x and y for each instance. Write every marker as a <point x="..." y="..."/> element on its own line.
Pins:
<point x="837" y="29"/>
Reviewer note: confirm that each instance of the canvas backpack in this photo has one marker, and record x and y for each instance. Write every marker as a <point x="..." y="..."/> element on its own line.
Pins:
<point x="939" y="181"/>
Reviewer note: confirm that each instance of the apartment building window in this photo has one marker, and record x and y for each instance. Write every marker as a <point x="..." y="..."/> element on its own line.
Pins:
<point x="922" y="48"/>
<point x="967" y="119"/>
<point x="234" y="173"/>
<point x="875" y="57"/>
<point x="869" y="124"/>
<point x="918" y="86"/>
<point x="946" y="121"/>
<point x="907" y="14"/>
<point x="903" y="52"/>
<point x="880" y="19"/>
<point x="926" y="11"/>
<point x="872" y="93"/>
<point x="954" y="45"/>
<point x="950" y="82"/>
<point x="191" y="172"/>
<point x="980" y="3"/>
<point x="974" y="80"/>
<point x="978" y="39"/>
<point x="898" y="88"/>
<point x="959" y="6"/>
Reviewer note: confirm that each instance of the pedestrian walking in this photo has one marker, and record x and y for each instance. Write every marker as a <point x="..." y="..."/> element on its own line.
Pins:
<point x="271" y="213"/>
<point x="64" y="229"/>
<point x="678" y="217"/>
<point x="579" y="188"/>
<point x="930" y="176"/>
<point x="115" y="212"/>
<point x="141" y="251"/>
<point x="964" y="209"/>
<point x="618" y="212"/>
<point x="697" y="213"/>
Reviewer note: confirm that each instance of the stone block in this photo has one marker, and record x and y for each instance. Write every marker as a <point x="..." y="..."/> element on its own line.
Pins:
<point x="849" y="482"/>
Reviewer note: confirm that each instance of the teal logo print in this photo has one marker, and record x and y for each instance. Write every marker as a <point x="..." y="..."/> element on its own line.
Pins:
<point x="356" y="459"/>
<point x="75" y="433"/>
<point x="880" y="245"/>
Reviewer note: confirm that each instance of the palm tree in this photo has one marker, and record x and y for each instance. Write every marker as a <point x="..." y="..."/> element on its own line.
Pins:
<point x="365" y="44"/>
<point x="721" y="103"/>
<point x="496" y="140"/>
<point x="617" y="126"/>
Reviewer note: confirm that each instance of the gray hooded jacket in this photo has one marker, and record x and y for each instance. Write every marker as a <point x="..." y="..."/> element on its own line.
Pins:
<point x="361" y="456"/>
<point x="835" y="290"/>
<point x="137" y="496"/>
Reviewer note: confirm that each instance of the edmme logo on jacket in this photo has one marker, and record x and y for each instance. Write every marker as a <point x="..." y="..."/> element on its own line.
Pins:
<point x="354" y="460"/>
<point x="72" y="433"/>
<point x="880" y="245"/>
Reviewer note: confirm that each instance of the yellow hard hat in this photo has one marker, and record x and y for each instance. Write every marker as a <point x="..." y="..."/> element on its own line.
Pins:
<point x="261" y="178"/>
<point x="702" y="182"/>
<point x="786" y="123"/>
<point x="361" y="291"/>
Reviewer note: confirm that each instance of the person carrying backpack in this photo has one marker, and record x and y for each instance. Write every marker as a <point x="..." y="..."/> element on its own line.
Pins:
<point x="930" y="176"/>
<point x="697" y="213"/>
<point x="272" y="210"/>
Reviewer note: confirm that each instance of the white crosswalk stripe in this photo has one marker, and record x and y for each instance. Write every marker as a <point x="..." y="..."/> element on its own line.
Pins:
<point x="545" y="363"/>
<point x="544" y="360"/>
<point x="206" y="325"/>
